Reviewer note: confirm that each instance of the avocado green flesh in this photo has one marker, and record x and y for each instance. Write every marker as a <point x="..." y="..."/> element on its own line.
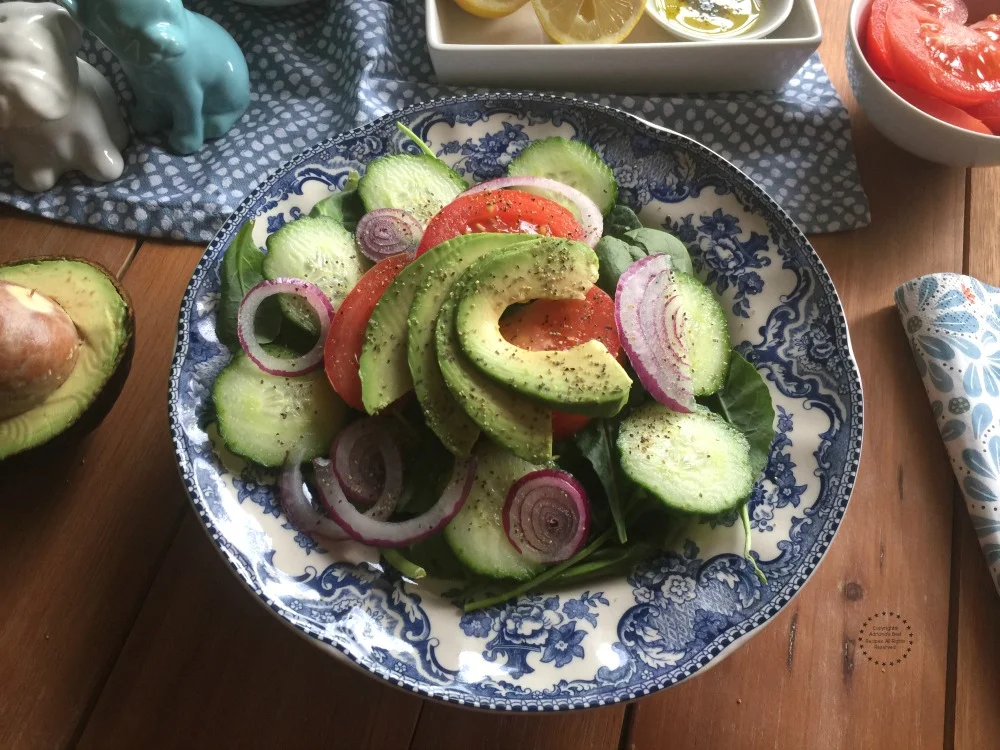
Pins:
<point x="443" y="265"/>
<point x="101" y="317"/>
<point x="520" y="425"/>
<point x="476" y="535"/>
<point x="585" y="379"/>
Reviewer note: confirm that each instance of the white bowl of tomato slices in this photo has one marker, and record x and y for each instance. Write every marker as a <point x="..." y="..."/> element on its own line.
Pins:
<point x="927" y="75"/>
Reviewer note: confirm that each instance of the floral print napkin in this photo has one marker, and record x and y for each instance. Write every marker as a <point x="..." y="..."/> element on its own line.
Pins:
<point x="953" y="323"/>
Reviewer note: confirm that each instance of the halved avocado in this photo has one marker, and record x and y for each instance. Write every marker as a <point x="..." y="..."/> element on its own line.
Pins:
<point x="39" y="291"/>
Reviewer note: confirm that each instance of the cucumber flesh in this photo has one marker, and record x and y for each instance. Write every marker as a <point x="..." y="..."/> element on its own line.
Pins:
<point x="708" y="340"/>
<point x="417" y="183"/>
<point x="693" y="463"/>
<point x="262" y="417"/>
<point x="476" y="534"/>
<point x="316" y="249"/>
<point x="572" y="163"/>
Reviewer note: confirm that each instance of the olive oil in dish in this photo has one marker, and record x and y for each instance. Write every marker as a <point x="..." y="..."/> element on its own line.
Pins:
<point x="709" y="18"/>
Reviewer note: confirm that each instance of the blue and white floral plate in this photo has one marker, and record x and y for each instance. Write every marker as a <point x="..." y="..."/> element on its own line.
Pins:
<point x="619" y="638"/>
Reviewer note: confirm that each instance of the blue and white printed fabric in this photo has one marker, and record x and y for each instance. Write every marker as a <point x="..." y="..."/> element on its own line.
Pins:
<point x="324" y="67"/>
<point x="953" y="323"/>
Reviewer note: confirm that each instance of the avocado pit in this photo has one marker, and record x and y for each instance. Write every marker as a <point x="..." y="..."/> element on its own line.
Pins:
<point x="39" y="346"/>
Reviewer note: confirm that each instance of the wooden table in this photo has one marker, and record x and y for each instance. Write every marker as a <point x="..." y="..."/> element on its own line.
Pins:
<point x="120" y="627"/>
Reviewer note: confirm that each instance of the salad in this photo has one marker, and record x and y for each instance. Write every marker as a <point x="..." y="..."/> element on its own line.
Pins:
<point x="510" y="385"/>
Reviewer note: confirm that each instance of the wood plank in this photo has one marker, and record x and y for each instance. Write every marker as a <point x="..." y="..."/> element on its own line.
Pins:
<point x="27" y="236"/>
<point x="208" y="666"/>
<point x="803" y="682"/>
<point x="977" y="657"/>
<point x="443" y="726"/>
<point x="82" y="532"/>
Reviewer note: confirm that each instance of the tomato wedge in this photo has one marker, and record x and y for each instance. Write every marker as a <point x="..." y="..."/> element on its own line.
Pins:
<point x="956" y="63"/>
<point x="347" y="330"/>
<point x="878" y="49"/>
<point x="548" y="324"/>
<point x="876" y="36"/>
<point x="506" y="211"/>
<point x="989" y="114"/>
<point x="938" y="108"/>
<point x="990" y="26"/>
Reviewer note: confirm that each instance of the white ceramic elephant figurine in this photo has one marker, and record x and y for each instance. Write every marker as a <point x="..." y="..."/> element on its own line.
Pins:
<point x="57" y="113"/>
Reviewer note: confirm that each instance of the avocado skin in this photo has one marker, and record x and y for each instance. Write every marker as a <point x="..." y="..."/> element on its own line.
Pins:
<point x="92" y="416"/>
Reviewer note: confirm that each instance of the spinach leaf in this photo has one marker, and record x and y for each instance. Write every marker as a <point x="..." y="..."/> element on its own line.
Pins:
<point x="620" y="219"/>
<point x="745" y="402"/>
<point x="745" y="517"/>
<point x="344" y="206"/>
<point x="657" y="242"/>
<point x="407" y="568"/>
<point x="242" y="270"/>
<point x="614" y="257"/>
<point x="416" y="139"/>
<point x="596" y="443"/>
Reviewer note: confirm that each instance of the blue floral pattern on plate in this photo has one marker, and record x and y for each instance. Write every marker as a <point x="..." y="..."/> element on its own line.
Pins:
<point x="953" y="323"/>
<point x="575" y="647"/>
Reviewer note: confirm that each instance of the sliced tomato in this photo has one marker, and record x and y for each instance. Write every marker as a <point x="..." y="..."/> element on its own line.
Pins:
<point x="989" y="113"/>
<point x="876" y="37"/>
<point x="956" y="63"/>
<point x="938" y="108"/>
<point x="990" y="26"/>
<point x="548" y="324"/>
<point x="347" y="330"/>
<point x="949" y="10"/>
<point x="505" y="211"/>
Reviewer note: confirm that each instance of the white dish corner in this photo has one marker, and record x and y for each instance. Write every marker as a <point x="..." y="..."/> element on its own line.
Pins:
<point x="514" y="53"/>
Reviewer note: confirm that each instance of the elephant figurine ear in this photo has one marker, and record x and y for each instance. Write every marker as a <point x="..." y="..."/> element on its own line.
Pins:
<point x="68" y="28"/>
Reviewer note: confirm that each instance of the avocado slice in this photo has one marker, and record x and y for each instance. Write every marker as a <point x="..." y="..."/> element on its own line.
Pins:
<point x="101" y="311"/>
<point x="585" y="379"/>
<point x="520" y="425"/>
<point x="383" y="365"/>
<point x="442" y="267"/>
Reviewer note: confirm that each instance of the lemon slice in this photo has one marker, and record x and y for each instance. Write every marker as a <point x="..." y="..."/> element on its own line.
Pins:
<point x="490" y="8"/>
<point x="588" y="21"/>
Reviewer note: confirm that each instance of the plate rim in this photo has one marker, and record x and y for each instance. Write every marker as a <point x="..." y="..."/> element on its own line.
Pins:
<point x="619" y="694"/>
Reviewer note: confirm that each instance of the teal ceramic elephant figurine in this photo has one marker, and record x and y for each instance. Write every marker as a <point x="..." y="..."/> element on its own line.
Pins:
<point x="189" y="76"/>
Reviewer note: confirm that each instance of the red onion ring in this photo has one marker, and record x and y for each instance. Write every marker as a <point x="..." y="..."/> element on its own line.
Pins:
<point x="547" y="516"/>
<point x="367" y="460"/>
<point x="645" y="301"/>
<point x="591" y="218"/>
<point x="378" y="533"/>
<point x="303" y="515"/>
<point x="388" y="231"/>
<point x="272" y="365"/>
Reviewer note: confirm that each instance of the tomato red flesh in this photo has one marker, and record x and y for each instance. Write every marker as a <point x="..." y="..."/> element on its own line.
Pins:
<point x="547" y="324"/>
<point x="876" y="37"/>
<point x="504" y="211"/>
<point x="347" y="330"/>
<point x="989" y="114"/>
<point x="956" y="63"/>
<point x="990" y="26"/>
<point x="938" y="108"/>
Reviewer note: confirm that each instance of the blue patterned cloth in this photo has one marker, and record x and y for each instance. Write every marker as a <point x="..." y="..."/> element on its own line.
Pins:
<point x="324" y="67"/>
<point x="953" y="323"/>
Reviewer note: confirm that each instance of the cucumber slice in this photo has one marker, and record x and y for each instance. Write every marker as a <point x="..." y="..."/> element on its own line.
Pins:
<point x="317" y="249"/>
<point x="476" y="534"/>
<point x="693" y="463"/>
<point x="572" y="163"/>
<point x="707" y="334"/>
<point x="417" y="183"/>
<point x="261" y="417"/>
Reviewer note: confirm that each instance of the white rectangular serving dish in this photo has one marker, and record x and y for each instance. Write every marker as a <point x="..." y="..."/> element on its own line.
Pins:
<point x="514" y="52"/>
